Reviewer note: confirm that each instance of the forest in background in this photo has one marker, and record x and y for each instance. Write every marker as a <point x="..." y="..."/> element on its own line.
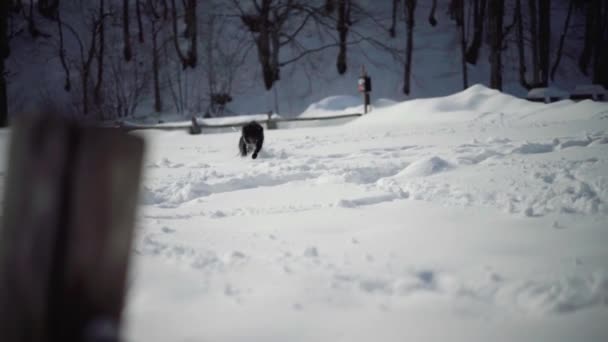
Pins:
<point x="112" y="57"/>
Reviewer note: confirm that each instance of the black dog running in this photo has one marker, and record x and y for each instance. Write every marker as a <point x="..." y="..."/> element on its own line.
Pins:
<point x="252" y="139"/>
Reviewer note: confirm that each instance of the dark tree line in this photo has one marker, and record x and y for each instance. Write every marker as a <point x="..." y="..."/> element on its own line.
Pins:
<point x="4" y="52"/>
<point x="113" y="52"/>
<point x="530" y="28"/>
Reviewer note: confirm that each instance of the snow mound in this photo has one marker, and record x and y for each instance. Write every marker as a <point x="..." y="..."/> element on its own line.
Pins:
<point x="474" y="103"/>
<point x="480" y="98"/>
<point x="332" y="105"/>
<point x="425" y="167"/>
<point x="383" y="103"/>
<point x="482" y="106"/>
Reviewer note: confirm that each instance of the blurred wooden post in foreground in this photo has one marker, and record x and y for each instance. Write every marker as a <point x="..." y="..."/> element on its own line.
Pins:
<point x="67" y="226"/>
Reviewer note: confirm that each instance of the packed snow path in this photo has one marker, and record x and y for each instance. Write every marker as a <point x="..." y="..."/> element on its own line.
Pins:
<point x="472" y="217"/>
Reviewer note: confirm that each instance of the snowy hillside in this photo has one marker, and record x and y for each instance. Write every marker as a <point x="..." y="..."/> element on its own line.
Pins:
<point x="471" y="217"/>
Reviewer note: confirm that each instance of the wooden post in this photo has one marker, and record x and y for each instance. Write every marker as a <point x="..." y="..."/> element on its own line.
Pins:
<point x="365" y="88"/>
<point x="195" y="128"/>
<point x="270" y="124"/>
<point x="66" y="233"/>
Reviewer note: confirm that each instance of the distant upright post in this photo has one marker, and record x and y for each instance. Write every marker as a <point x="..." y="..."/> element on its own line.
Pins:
<point x="66" y="233"/>
<point x="195" y="128"/>
<point x="365" y="87"/>
<point x="270" y="124"/>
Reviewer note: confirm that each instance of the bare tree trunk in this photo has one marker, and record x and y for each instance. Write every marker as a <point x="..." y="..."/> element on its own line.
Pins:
<point x="4" y="52"/>
<point x="158" y="105"/>
<point x="68" y="83"/>
<point x="479" y="9"/>
<point x="16" y="6"/>
<point x="31" y="24"/>
<point x="3" y="96"/>
<point x="600" y="37"/>
<point x="263" y="43"/>
<point x="4" y="30"/>
<point x="343" y="9"/>
<point x="410" y="7"/>
<point x="585" y="57"/>
<point x="185" y="59"/>
<point x="191" y="32"/>
<point x="97" y="95"/>
<point x="604" y="71"/>
<point x="432" y="19"/>
<point x="457" y="13"/>
<point x="48" y="8"/>
<point x="330" y="6"/>
<point x="463" y="43"/>
<point x="534" y="41"/>
<point x="561" y="39"/>
<point x="391" y="30"/>
<point x="520" y="46"/>
<point x="275" y="48"/>
<point x="181" y="55"/>
<point x="496" y="12"/>
<point x="140" y="25"/>
<point x="126" y="31"/>
<point x="165" y="10"/>
<point x="211" y="80"/>
<point x="86" y="68"/>
<point x="85" y="92"/>
<point x="544" y="36"/>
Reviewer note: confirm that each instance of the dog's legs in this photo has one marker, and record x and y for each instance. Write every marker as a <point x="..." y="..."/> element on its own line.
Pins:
<point x="258" y="147"/>
<point x="242" y="147"/>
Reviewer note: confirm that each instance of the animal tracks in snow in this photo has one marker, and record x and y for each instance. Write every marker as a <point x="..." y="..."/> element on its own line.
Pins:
<point x="392" y="171"/>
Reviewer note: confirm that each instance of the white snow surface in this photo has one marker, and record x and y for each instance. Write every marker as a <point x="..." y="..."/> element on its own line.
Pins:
<point x="471" y="217"/>
<point x="332" y="104"/>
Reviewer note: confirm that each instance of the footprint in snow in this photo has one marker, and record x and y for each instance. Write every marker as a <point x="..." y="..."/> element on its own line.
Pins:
<point x="167" y="230"/>
<point x="311" y="252"/>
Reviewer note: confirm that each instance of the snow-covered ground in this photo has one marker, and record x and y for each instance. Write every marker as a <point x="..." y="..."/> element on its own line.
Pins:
<point x="471" y="217"/>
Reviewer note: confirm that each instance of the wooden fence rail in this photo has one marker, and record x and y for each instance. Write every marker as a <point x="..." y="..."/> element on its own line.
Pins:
<point x="272" y="123"/>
